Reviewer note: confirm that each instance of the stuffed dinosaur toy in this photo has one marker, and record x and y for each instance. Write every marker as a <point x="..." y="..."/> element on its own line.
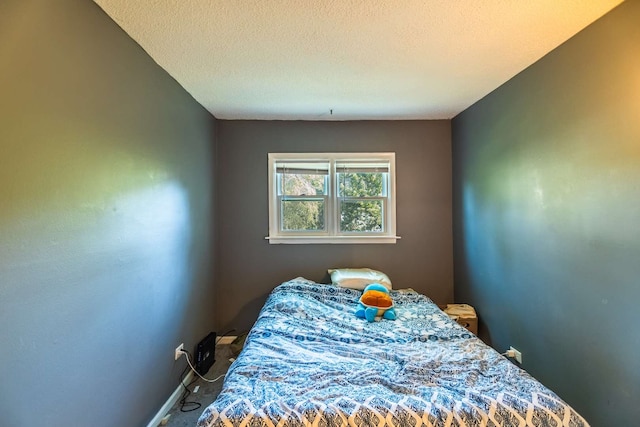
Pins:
<point x="375" y="301"/>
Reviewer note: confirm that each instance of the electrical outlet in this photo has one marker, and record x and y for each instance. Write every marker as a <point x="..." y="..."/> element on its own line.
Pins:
<point x="516" y="354"/>
<point x="179" y="351"/>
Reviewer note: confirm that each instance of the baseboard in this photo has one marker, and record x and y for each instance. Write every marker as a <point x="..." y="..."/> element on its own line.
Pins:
<point x="155" y="421"/>
<point x="227" y="339"/>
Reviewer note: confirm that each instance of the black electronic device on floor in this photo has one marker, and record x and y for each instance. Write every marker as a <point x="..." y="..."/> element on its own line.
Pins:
<point x="205" y="353"/>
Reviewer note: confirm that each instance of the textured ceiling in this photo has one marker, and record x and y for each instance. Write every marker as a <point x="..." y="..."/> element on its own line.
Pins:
<point x="347" y="59"/>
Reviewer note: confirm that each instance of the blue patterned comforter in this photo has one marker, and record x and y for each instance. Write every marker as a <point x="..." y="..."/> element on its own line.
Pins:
<point x="309" y="361"/>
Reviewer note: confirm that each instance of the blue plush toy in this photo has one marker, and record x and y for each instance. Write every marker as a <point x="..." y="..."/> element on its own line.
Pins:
<point x="375" y="301"/>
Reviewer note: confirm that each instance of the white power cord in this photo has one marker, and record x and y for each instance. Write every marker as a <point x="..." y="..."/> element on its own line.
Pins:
<point x="186" y="355"/>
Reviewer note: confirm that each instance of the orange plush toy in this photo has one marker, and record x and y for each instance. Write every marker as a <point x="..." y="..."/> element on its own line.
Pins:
<point x="375" y="301"/>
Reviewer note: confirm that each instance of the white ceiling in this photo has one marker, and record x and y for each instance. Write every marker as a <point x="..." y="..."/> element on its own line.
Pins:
<point x="347" y="59"/>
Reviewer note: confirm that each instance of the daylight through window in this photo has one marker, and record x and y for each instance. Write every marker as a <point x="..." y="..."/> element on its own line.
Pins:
<point x="332" y="198"/>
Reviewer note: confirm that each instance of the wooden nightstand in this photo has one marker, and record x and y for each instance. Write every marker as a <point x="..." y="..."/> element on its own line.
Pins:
<point x="464" y="315"/>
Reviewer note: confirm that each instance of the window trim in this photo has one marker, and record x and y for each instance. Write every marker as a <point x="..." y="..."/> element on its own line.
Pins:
<point x="331" y="235"/>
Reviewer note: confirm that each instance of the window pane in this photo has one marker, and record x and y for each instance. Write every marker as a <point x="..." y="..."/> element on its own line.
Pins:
<point x="302" y="215"/>
<point x="360" y="184"/>
<point x="303" y="184"/>
<point x="361" y="216"/>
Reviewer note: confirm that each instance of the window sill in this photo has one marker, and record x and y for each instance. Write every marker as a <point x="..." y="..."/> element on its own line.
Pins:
<point x="320" y="240"/>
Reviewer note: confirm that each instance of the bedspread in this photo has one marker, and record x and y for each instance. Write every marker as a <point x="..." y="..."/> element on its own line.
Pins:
<point x="309" y="361"/>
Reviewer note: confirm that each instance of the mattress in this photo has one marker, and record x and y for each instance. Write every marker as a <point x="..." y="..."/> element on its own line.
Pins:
<point x="309" y="361"/>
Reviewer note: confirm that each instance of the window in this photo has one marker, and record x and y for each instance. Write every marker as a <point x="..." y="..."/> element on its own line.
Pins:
<point x="332" y="198"/>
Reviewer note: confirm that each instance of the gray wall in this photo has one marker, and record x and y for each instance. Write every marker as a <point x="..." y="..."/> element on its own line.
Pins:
<point x="547" y="217"/>
<point x="249" y="267"/>
<point x="106" y="207"/>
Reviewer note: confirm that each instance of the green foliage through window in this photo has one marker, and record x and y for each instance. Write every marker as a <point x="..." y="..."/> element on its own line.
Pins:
<point x="303" y="184"/>
<point x="361" y="216"/>
<point x="332" y="197"/>
<point x="360" y="184"/>
<point x="303" y="215"/>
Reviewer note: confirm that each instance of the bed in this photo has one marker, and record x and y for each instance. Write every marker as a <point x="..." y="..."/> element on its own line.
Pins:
<point x="308" y="361"/>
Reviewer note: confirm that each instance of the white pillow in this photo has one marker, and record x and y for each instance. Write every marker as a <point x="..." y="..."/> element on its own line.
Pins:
<point x="358" y="278"/>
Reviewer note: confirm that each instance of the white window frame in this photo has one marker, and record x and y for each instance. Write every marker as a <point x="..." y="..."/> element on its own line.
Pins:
<point x="332" y="235"/>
